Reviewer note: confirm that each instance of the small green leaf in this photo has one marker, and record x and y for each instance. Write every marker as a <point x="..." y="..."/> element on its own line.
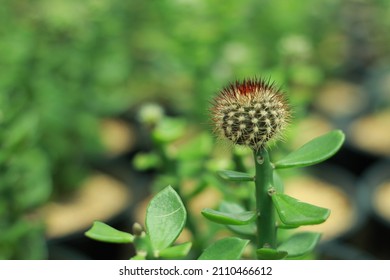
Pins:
<point x="235" y="176"/>
<point x="103" y="232"/>
<point x="284" y="226"/>
<point x="177" y="251"/>
<point x="300" y="243"/>
<point x="293" y="212"/>
<point x="230" y="248"/>
<point x="246" y="230"/>
<point x="225" y="218"/>
<point x="315" y="151"/>
<point x="230" y="207"/>
<point x="270" y="254"/>
<point x="165" y="218"/>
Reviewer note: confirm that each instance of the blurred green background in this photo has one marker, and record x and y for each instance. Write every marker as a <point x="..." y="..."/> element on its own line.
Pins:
<point x="66" y="65"/>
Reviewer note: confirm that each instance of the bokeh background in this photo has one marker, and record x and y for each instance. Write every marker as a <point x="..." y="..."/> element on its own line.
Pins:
<point x="74" y="76"/>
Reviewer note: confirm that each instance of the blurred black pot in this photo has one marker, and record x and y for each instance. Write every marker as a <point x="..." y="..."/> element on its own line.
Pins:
<point x="337" y="250"/>
<point x="358" y="109"/>
<point x="374" y="195"/>
<point x="335" y="188"/>
<point x="108" y="196"/>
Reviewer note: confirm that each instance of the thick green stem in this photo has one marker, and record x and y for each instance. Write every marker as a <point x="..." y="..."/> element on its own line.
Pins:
<point x="266" y="229"/>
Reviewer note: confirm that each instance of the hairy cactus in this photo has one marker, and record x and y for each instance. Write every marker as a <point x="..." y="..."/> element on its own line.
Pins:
<point x="250" y="113"/>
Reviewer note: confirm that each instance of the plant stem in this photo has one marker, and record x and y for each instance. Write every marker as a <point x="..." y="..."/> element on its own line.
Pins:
<point x="266" y="229"/>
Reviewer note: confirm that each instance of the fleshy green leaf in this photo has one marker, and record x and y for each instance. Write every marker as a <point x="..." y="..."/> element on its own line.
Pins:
<point x="235" y="176"/>
<point x="270" y="254"/>
<point x="165" y="218"/>
<point x="293" y="212"/>
<point x="225" y="218"/>
<point x="103" y="232"/>
<point x="315" y="151"/>
<point x="177" y="251"/>
<point x="247" y="230"/>
<point x="284" y="226"/>
<point x="230" y="207"/>
<point x="300" y="243"/>
<point x="230" y="248"/>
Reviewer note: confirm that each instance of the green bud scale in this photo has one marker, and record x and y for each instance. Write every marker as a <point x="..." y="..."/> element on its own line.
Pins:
<point x="250" y="113"/>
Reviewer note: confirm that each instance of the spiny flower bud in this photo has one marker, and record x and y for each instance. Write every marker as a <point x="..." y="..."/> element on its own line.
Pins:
<point x="250" y="112"/>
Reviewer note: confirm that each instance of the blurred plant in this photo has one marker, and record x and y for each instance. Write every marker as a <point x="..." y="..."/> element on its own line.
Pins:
<point x="52" y="97"/>
<point x="25" y="181"/>
<point x="180" y="155"/>
<point x="250" y="113"/>
<point x="165" y="219"/>
<point x="62" y="70"/>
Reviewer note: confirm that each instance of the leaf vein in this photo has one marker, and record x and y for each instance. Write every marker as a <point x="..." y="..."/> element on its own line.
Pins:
<point x="168" y="214"/>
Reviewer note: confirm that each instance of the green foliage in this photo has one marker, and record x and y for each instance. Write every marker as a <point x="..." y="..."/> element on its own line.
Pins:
<point x="25" y="181"/>
<point x="242" y="218"/>
<point x="247" y="230"/>
<point x="270" y="254"/>
<point x="16" y="234"/>
<point x="177" y="251"/>
<point x="235" y="176"/>
<point x="300" y="244"/>
<point x="103" y="232"/>
<point x="197" y="147"/>
<point x="230" y="248"/>
<point x="314" y="152"/>
<point x="62" y="77"/>
<point x="182" y="155"/>
<point x="63" y="74"/>
<point x="145" y="161"/>
<point x="168" y="130"/>
<point x="165" y="218"/>
<point x="293" y="212"/>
